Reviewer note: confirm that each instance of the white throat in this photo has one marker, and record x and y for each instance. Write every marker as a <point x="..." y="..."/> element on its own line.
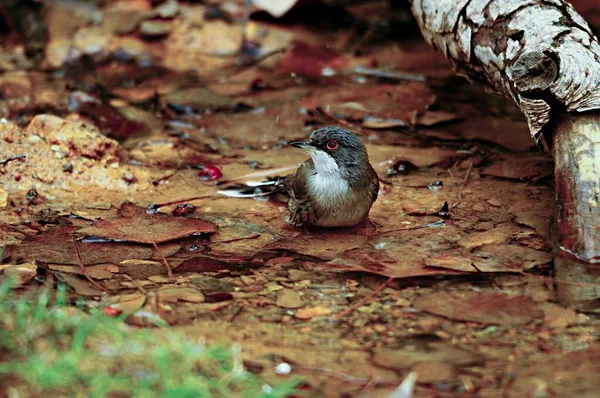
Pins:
<point x="324" y="164"/>
<point x="328" y="183"/>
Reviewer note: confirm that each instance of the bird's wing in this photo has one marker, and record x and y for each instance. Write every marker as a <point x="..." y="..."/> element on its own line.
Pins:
<point x="296" y="184"/>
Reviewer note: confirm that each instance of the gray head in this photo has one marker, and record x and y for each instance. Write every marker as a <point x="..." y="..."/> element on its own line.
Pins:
<point x="336" y="151"/>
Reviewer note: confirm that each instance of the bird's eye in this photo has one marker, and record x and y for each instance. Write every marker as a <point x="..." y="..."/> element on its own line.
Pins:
<point x="332" y="145"/>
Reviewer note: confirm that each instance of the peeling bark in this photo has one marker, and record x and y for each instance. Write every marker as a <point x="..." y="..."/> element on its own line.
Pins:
<point x="537" y="52"/>
<point x="542" y="55"/>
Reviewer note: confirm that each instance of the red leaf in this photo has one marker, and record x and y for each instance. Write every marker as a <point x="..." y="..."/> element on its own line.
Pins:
<point x="136" y="225"/>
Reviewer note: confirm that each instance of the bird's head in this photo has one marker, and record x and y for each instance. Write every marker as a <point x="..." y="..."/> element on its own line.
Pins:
<point x="336" y="151"/>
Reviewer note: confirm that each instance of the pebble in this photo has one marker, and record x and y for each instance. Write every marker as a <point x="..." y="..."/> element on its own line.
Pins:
<point x="494" y="202"/>
<point x="479" y="207"/>
<point x="309" y="313"/>
<point x="288" y="298"/>
<point x="296" y="275"/>
<point x="155" y="28"/>
<point x="3" y="198"/>
<point x="21" y="274"/>
<point x="273" y="286"/>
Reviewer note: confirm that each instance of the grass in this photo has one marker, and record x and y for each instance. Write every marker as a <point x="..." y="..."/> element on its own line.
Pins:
<point x="48" y="348"/>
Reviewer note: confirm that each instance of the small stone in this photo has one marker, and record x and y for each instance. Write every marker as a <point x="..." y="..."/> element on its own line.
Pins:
<point x="273" y="286"/>
<point x="402" y="302"/>
<point x="494" y="202"/>
<point x="158" y="279"/>
<point x="168" y="9"/>
<point x="129" y="177"/>
<point x="210" y="284"/>
<point x="288" y="298"/>
<point x="480" y="207"/>
<point x="179" y="293"/>
<point x="155" y="28"/>
<point x="305" y="314"/>
<point x="3" y="198"/>
<point x="296" y="275"/>
<point x="21" y="274"/>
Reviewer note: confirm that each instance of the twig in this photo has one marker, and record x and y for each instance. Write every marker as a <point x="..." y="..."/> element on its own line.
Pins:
<point x="237" y="69"/>
<point x="237" y="239"/>
<point x="12" y="158"/>
<point x="364" y="299"/>
<point x="179" y="201"/>
<point x="407" y="228"/>
<point x="165" y="262"/>
<point x="464" y="183"/>
<point x="82" y="267"/>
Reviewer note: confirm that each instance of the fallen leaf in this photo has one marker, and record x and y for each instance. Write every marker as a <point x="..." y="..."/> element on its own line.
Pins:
<point x="500" y="234"/>
<point x="483" y="307"/>
<point x="93" y="271"/>
<point x="43" y="247"/>
<point x="491" y="258"/>
<point x="80" y="285"/>
<point x="521" y="168"/>
<point x="136" y="225"/>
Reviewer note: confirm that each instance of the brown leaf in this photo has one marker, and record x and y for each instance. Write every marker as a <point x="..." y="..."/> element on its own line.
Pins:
<point x="484" y="307"/>
<point x="377" y="106"/>
<point x="56" y="246"/>
<point x="500" y="234"/>
<point x="393" y="257"/>
<point x="136" y="225"/>
<point x="80" y="285"/>
<point x="491" y="258"/>
<point x="521" y="168"/>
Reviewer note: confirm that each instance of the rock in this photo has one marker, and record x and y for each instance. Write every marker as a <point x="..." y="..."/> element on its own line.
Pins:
<point x="180" y="293"/>
<point x="288" y="298"/>
<point x="305" y="314"/>
<point x="168" y="9"/>
<point x="155" y="28"/>
<point x="209" y="284"/>
<point x="296" y="275"/>
<point x="20" y="274"/>
<point x="3" y="198"/>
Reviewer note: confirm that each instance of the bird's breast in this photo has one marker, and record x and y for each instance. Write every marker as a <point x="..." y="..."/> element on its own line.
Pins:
<point x="335" y="203"/>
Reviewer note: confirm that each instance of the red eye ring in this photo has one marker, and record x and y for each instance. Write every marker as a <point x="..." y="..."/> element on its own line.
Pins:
<point x="332" y="145"/>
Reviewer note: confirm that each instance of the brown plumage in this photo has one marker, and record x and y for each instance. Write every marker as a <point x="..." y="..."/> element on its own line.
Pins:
<point x="337" y="186"/>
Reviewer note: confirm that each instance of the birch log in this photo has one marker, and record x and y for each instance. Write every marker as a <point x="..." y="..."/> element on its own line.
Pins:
<point x="543" y="55"/>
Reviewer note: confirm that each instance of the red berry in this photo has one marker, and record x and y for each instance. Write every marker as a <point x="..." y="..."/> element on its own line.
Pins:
<point x="209" y="173"/>
<point x="183" y="209"/>
<point x="112" y="311"/>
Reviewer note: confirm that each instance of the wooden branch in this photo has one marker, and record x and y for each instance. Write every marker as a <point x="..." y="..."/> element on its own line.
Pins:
<point x="576" y="153"/>
<point x="542" y="55"/>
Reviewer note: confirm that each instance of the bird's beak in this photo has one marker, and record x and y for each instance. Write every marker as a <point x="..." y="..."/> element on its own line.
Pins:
<point x="303" y="145"/>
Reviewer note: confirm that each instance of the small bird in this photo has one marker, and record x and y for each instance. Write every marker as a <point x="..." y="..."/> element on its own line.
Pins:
<point x="337" y="186"/>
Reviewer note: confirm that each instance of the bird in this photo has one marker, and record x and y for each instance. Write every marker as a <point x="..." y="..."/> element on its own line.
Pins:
<point x="336" y="187"/>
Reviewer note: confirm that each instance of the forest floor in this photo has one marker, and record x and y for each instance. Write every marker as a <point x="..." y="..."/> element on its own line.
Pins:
<point x="134" y="107"/>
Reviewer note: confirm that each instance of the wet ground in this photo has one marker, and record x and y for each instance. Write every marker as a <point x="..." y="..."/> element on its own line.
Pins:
<point x="116" y="139"/>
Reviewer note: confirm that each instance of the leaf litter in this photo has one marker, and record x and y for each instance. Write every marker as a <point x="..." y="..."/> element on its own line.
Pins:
<point x="159" y="105"/>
